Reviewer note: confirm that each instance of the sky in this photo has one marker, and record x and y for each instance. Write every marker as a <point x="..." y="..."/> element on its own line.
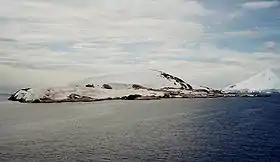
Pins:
<point x="209" y="42"/>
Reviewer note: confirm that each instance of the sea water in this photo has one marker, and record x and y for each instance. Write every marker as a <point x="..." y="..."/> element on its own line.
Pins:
<point x="230" y="129"/>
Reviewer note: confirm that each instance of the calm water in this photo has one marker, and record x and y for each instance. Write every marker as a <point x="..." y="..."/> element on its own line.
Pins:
<point x="4" y="97"/>
<point x="236" y="129"/>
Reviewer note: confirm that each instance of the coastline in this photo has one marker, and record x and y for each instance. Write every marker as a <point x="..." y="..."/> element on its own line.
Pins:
<point x="78" y="98"/>
<point x="174" y="88"/>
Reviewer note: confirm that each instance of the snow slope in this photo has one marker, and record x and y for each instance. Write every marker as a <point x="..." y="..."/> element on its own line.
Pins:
<point x="262" y="81"/>
<point x="141" y="85"/>
<point x="144" y="83"/>
<point x="146" y="78"/>
<point x="63" y="93"/>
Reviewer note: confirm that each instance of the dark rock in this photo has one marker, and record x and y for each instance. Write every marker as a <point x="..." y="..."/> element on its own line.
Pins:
<point x="208" y="88"/>
<point x="187" y="96"/>
<point x="217" y="91"/>
<point x="25" y="89"/>
<point x="148" y="98"/>
<point x="152" y="89"/>
<point x="43" y="100"/>
<point x="182" y="83"/>
<point x="136" y="86"/>
<point x="14" y="95"/>
<point x="172" y="93"/>
<point x="232" y="86"/>
<point x="36" y="101"/>
<point x="168" y="88"/>
<point x="90" y="85"/>
<point x="166" y="95"/>
<point x="131" y="97"/>
<point x="107" y="86"/>
<point x="212" y="90"/>
<point x="201" y="90"/>
<point x="22" y="100"/>
<point x="86" y="99"/>
<point x="74" y="96"/>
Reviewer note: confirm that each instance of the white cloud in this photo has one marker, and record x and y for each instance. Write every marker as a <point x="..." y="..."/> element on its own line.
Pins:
<point x="260" y="4"/>
<point x="247" y="33"/>
<point x="206" y="65"/>
<point x="269" y="45"/>
<point x="235" y="15"/>
<point x="24" y="77"/>
<point x="58" y="42"/>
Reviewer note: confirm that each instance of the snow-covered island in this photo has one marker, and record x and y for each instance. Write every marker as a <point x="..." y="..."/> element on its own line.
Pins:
<point x="167" y="86"/>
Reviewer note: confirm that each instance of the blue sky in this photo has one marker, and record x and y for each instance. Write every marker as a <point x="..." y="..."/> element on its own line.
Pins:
<point x="264" y="21"/>
<point x="212" y="42"/>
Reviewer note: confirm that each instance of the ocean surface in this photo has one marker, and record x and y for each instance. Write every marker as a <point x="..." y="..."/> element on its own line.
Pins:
<point x="4" y="97"/>
<point x="218" y="130"/>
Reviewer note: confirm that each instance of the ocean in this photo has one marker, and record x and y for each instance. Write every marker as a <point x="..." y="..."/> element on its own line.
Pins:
<point x="4" y="97"/>
<point x="191" y="130"/>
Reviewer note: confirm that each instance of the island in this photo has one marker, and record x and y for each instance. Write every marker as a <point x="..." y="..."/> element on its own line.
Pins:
<point x="179" y="88"/>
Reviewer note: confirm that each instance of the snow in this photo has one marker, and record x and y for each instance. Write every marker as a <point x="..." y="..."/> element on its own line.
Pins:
<point x="151" y="84"/>
<point x="264" y="80"/>
<point x="146" y="78"/>
<point x="122" y="85"/>
<point x="62" y="93"/>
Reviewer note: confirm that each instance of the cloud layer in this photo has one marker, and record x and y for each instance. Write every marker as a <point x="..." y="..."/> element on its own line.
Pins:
<point x="260" y="4"/>
<point x="58" y="42"/>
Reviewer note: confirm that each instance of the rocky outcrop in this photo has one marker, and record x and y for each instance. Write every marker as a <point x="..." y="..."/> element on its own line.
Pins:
<point x="131" y="97"/>
<point x="78" y="98"/>
<point x="70" y="98"/>
<point x="107" y="86"/>
<point x="19" y="95"/>
<point x="137" y="86"/>
<point x="13" y="97"/>
<point x="201" y="90"/>
<point x="90" y="85"/>
<point x="149" y="98"/>
<point x="176" y="80"/>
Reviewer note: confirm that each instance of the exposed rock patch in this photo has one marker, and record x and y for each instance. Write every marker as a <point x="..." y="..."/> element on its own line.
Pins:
<point x="90" y="86"/>
<point x="16" y="96"/>
<point x="149" y="98"/>
<point x="107" y="86"/>
<point x="136" y="86"/>
<point x="131" y="97"/>
<point x="176" y="80"/>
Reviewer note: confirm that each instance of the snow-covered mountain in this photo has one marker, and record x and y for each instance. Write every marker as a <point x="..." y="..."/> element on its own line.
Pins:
<point x="263" y="81"/>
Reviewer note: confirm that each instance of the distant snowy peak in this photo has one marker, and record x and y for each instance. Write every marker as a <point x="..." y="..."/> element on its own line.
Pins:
<point x="264" y="80"/>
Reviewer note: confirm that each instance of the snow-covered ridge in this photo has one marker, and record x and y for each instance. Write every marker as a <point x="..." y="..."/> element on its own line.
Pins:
<point x="146" y="78"/>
